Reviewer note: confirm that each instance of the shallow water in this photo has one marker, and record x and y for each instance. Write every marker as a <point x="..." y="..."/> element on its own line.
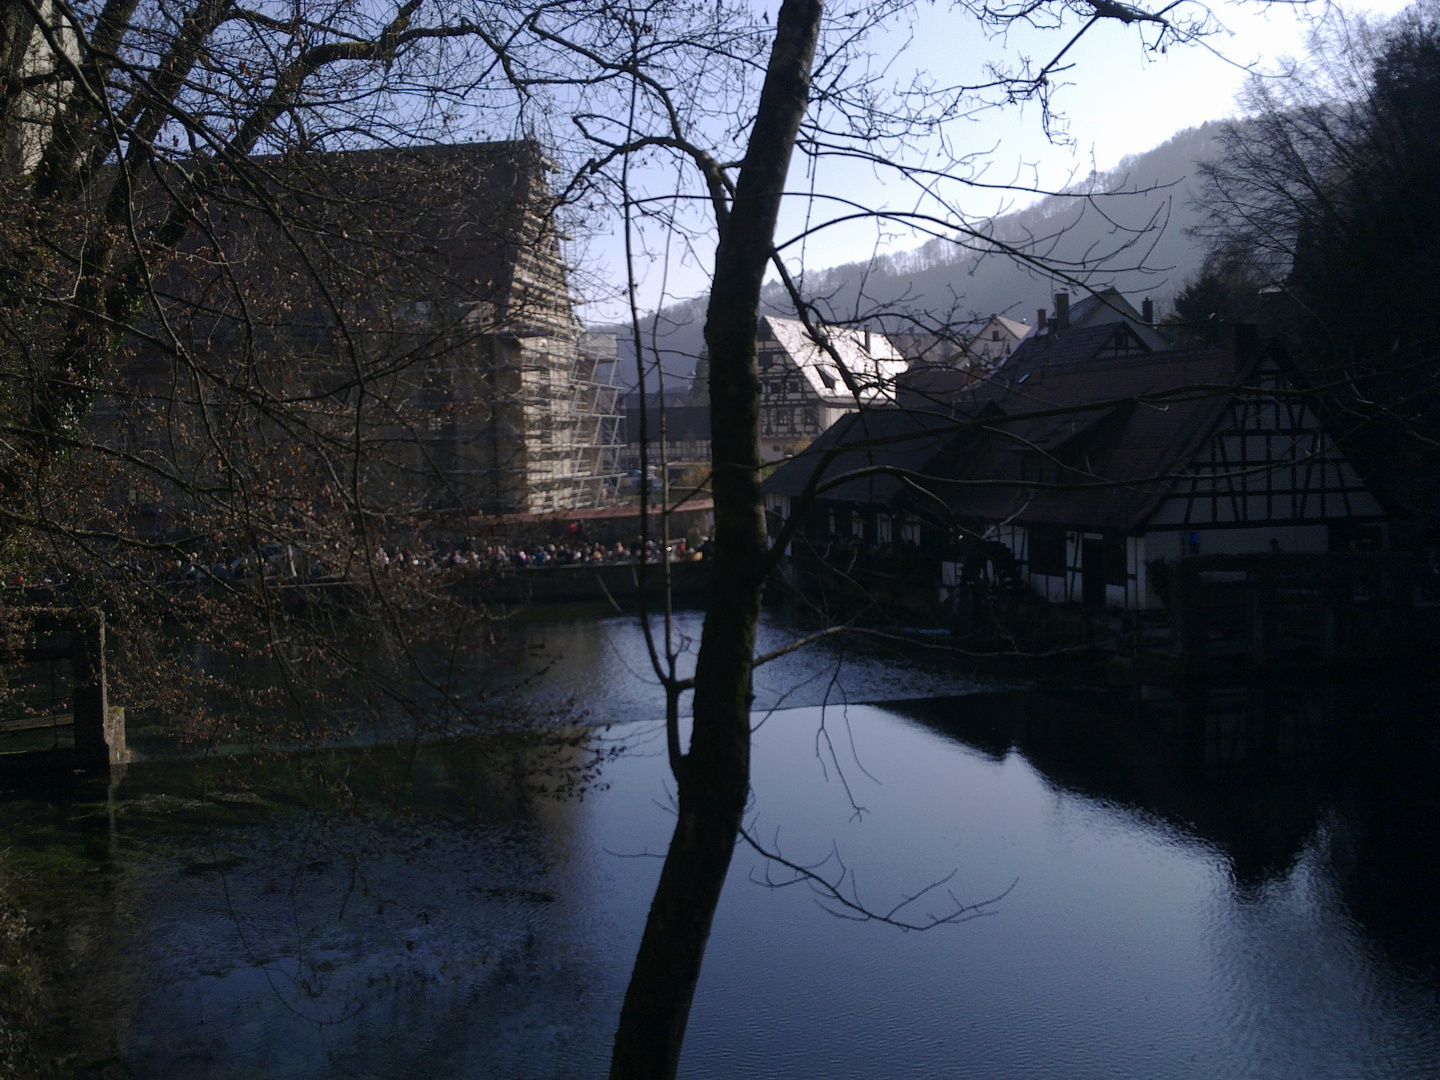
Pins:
<point x="1162" y="912"/>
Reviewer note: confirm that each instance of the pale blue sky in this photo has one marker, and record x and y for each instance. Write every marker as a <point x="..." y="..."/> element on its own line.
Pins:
<point x="1120" y="98"/>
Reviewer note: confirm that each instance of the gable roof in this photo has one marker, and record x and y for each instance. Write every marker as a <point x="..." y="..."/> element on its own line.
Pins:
<point x="1119" y="430"/>
<point x="1113" y="433"/>
<point x="1102" y="305"/>
<point x="869" y="357"/>
<point x="1083" y="346"/>
<point x="1014" y="327"/>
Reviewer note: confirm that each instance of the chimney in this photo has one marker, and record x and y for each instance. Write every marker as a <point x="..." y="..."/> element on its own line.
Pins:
<point x="1039" y="320"/>
<point x="1062" y="311"/>
<point x="867" y="339"/>
<point x="1147" y="311"/>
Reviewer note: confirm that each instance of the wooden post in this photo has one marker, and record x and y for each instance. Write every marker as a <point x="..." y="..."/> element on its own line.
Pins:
<point x="99" y="730"/>
<point x="1259" y="585"/>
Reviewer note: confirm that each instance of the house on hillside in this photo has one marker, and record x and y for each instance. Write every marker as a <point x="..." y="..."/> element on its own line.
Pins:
<point x="424" y="286"/>
<point x="803" y="391"/>
<point x="995" y="341"/>
<point x="1090" y="468"/>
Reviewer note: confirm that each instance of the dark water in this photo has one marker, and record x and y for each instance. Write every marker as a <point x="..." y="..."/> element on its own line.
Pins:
<point x="1243" y="886"/>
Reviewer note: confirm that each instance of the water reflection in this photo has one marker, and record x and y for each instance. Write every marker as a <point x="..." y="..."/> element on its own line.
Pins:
<point x="1233" y="884"/>
<point x="1266" y="774"/>
<point x="594" y="664"/>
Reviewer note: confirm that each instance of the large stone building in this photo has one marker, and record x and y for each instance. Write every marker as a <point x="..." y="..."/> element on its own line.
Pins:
<point x="409" y="309"/>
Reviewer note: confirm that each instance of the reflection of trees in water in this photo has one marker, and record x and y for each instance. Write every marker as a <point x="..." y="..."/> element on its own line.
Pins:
<point x="70" y="894"/>
<point x="1260" y="772"/>
<point x="1390" y="864"/>
<point x="595" y="668"/>
<point x="294" y="914"/>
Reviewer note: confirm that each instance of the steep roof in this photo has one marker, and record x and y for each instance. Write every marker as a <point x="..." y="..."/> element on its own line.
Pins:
<point x="904" y="440"/>
<point x="1111" y="435"/>
<point x="1015" y="327"/>
<point x="1082" y="345"/>
<point x="455" y="232"/>
<point x="869" y="357"/>
<point x="1103" y="440"/>
<point x="1102" y="305"/>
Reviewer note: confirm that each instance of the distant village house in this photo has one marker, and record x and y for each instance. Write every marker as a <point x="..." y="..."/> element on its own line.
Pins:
<point x="803" y="391"/>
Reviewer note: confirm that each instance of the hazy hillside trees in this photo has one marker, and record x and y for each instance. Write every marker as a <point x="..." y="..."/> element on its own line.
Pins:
<point x="1150" y="194"/>
<point x="1327" y="197"/>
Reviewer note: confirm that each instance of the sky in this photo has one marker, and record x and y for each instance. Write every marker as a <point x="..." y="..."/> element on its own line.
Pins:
<point x="1118" y="98"/>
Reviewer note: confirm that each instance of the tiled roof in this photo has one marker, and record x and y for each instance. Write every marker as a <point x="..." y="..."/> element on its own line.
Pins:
<point x="460" y="228"/>
<point x="1121" y="428"/>
<point x="904" y="440"/>
<point x="1017" y="328"/>
<point x="1081" y="345"/>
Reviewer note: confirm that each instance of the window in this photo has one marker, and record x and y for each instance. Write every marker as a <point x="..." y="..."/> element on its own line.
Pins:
<point x="994" y="335"/>
<point x="857" y="525"/>
<point x="882" y="528"/>
<point x="910" y="531"/>
<point x="1047" y="549"/>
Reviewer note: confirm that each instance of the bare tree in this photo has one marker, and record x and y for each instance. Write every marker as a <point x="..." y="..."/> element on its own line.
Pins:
<point x="250" y="329"/>
<point x="1322" y="198"/>
<point x="688" y="85"/>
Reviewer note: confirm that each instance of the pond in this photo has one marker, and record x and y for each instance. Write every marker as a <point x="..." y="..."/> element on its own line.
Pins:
<point x="1239" y="888"/>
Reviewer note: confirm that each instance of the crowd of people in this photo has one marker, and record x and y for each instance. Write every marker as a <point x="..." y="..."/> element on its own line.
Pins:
<point x="274" y="560"/>
<point x="521" y="556"/>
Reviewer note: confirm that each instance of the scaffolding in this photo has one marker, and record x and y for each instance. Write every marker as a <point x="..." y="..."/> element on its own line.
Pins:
<point x="571" y="424"/>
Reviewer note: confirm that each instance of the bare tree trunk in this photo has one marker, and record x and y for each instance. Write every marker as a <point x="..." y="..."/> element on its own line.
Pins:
<point x="714" y="779"/>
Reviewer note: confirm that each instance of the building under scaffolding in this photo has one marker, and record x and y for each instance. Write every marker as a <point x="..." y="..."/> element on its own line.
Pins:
<point x="547" y="436"/>
<point x="406" y="314"/>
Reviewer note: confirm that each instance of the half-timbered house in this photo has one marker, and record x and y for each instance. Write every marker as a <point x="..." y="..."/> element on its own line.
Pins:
<point x="1184" y="452"/>
<point x="803" y="390"/>
<point x="1094" y="467"/>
